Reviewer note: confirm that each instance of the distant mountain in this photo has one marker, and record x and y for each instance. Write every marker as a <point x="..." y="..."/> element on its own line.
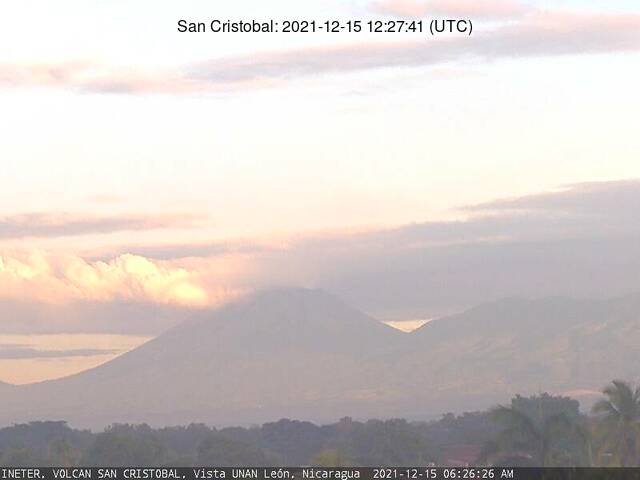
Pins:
<point x="305" y="354"/>
<point x="280" y="353"/>
<point x="524" y="346"/>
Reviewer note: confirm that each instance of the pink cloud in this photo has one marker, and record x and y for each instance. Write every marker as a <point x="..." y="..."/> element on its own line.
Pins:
<point x="36" y="74"/>
<point x="43" y="277"/>
<point x="47" y="277"/>
<point x="93" y="78"/>
<point x="49" y="225"/>
<point x="491" y="9"/>
<point x="594" y="219"/>
<point x="88" y="76"/>
<point x="536" y="34"/>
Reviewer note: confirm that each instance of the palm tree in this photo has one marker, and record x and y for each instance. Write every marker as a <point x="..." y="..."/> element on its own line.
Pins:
<point x="528" y="442"/>
<point x="620" y="416"/>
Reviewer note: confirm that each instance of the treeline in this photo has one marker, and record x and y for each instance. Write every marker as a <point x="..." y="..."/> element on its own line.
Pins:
<point x="542" y="430"/>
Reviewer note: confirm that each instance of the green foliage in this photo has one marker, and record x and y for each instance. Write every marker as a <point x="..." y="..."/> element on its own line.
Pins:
<point x="294" y="442"/>
<point x="126" y="445"/>
<point x="542" y="430"/>
<point x="41" y="444"/>
<point x="539" y="407"/>
<point x="219" y="450"/>
<point x="331" y="458"/>
<point x="618" y="431"/>
<point x="391" y="442"/>
<point x="62" y="454"/>
<point x="21" y="457"/>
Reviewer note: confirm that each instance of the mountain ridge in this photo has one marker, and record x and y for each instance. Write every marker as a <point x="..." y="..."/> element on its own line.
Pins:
<point x="306" y="354"/>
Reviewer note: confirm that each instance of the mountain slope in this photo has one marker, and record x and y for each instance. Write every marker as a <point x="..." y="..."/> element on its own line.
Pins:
<point x="523" y="346"/>
<point x="281" y="353"/>
<point x="304" y="354"/>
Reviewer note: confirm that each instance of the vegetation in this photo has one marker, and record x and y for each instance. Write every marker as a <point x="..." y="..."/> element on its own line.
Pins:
<point x="619" y="425"/>
<point x="541" y="430"/>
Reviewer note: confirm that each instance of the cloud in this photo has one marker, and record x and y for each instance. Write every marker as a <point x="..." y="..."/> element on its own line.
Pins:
<point x="571" y="211"/>
<point x="490" y="9"/>
<point x="54" y="74"/>
<point x="537" y="33"/>
<point x="581" y="240"/>
<point x="541" y="34"/>
<point x="90" y="77"/>
<point x="44" y="225"/>
<point x="617" y="199"/>
<point x="106" y="198"/>
<point x="186" y="250"/>
<point x="48" y="278"/>
<point x="23" y="353"/>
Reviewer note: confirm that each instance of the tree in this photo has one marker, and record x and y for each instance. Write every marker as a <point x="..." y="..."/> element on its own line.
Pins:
<point x="294" y="441"/>
<point x="619" y="415"/>
<point x="543" y="436"/>
<point x="62" y="454"/>
<point x="126" y="445"/>
<point x="389" y="442"/>
<point x="331" y="458"/>
<point x="21" y="457"/>
<point x="217" y="449"/>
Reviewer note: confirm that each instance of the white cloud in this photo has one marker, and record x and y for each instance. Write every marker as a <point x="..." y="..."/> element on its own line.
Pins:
<point x="537" y="33"/>
<point x="41" y="277"/>
<point x="493" y="9"/>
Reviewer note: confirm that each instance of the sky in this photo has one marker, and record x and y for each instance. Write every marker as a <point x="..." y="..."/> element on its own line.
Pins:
<point x="159" y="172"/>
